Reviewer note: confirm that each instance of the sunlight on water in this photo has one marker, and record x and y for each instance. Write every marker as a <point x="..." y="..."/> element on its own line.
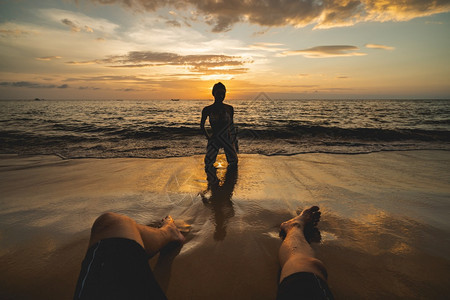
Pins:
<point x="92" y="128"/>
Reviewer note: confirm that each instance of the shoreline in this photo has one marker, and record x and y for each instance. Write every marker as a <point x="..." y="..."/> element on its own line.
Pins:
<point x="17" y="155"/>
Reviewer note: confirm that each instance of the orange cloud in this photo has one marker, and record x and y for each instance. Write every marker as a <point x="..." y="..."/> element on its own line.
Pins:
<point x="222" y="15"/>
<point x="47" y="58"/>
<point x="74" y="27"/>
<point x="203" y="64"/>
<point x="271" y="47"/>
<point x="12" y="32"/>
<point x="376" y="46"/>
<point x="33" y="85"/>
<point x="325" y="51"/>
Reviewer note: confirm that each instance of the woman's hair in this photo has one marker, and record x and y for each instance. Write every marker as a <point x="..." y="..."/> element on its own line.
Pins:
<point x="218" y="85"/>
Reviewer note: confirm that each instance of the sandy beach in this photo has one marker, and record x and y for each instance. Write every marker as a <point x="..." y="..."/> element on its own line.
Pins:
<point x="385" y="227"/>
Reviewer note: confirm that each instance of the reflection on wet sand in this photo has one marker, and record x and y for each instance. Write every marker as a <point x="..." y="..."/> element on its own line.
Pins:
<point x="217" y="196"/>
<point x="384" y="223"/>
<point x="43" y="268"/>
<point x="386" y="257"/>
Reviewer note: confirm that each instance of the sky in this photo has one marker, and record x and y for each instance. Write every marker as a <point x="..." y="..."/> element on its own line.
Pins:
<point x="155" y="49"/>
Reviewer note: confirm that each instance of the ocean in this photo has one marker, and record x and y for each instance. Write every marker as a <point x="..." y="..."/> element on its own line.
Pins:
<point x="164" y="128"/>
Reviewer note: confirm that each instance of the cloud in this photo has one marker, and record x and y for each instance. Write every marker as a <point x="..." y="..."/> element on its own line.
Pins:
<point x="72" y="25"/>
<point x="88" y="88"/>
<point x="12" y="32"/>
<point x="15" y="30"/>
<point x="127" y="90"/>
<point x="325" y="51"/>
<point x="78" y="63"/>
<point x="260" y="32"/>
<point x="222" y="15"/>
<point x="34" y="85"/>
<point x="108" y="78"/>
<point x="120" y="82"/>
<point x="76" y="28"/>
<point x="173" y="23"/>
<point x="47" y="58"/>
<point x="376" y="46"/>
<point x="204" y="63"/>
<point x="78" y="22"/>
<point x="271" y="47"/>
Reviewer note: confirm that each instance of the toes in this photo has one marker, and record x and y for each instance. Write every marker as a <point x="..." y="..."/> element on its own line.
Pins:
<point x="311" y="210"/>
<point x="314" y="209"/>
<point x="316" y="218"/>
<point x="167" y="219"/>
<point x="316" y="215"/>
<point x="314" y="212"/>
<point x="182" y="226"/>
<point x="312" y="235"/>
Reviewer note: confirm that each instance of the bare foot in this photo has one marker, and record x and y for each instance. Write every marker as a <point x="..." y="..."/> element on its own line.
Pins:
<point x="171" y="231"/>
<point x="306" y="221"/>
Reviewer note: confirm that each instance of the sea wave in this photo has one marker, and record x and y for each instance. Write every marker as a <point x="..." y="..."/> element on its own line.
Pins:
<point x="160" y="141"/>
<point x="363" y="134"/>
<point x="81" y="132"/>
<point x="164" y="129"/>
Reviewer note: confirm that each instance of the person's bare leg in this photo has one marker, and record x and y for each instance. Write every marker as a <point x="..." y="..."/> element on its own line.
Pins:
<point x="296" y="255"/>
<point x="112" y="225"/>
<point x="155" y="239"/>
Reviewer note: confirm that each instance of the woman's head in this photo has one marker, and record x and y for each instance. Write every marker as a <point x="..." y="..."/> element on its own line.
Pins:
<point x="219" y="91"/>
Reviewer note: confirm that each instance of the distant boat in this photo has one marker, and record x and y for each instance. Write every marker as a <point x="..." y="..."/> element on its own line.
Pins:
<point x="174" y="99"/>
<point x="37" y="99"/>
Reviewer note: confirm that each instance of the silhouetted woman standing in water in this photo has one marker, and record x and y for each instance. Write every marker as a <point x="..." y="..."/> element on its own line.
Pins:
<point x="222" y="125"/>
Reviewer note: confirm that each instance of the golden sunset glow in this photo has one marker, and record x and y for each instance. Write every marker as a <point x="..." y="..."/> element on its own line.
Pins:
<point x="93" y="49"/>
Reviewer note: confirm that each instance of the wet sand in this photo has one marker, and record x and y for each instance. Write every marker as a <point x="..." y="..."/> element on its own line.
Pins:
<point x="384" y="225"/>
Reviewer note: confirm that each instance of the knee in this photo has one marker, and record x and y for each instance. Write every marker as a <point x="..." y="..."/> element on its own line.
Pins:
<point x="300" y="263"/>
<point x="319" y="267"/>
<point x="109" y="221"/>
